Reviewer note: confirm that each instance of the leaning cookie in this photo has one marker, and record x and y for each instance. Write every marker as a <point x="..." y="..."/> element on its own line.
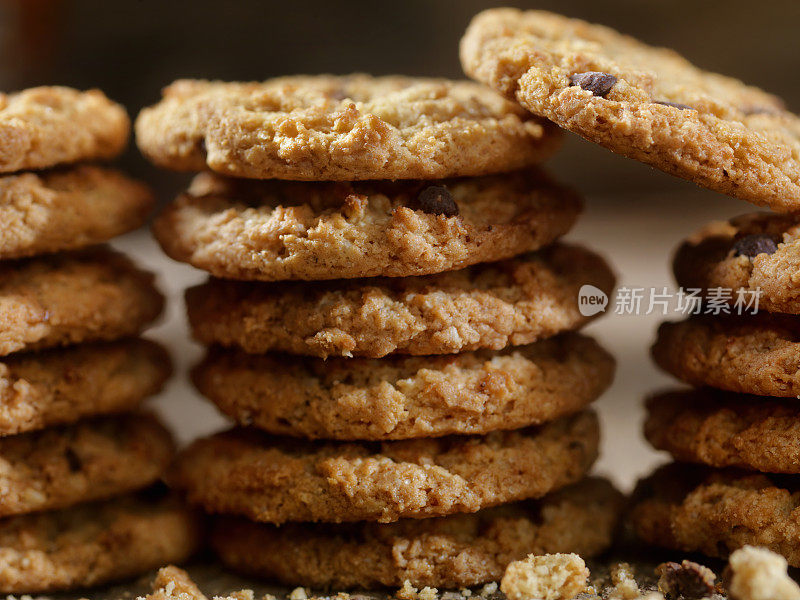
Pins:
<point x="91" y="460"/>
<point x="692" y="508"/>
<point x="750" y="354"/>
<point x="279" y="480"/>
<point x="277" y="230"/>
<point x="66" y="209"/>
<point x="493" y="305"/>
<point x="47" y="126"/>
<point x="58" y="300"/>
<point x="446" y="552"/>
<point x="62" y="386"/>
<point x="646" y="103"/>
<point x="95" y="543"/>
<point x="402" y="397"/>
<point x="341" y="128"/>
<point x="751" y="255"/>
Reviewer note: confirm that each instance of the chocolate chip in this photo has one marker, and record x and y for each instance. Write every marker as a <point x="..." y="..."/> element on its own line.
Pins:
<point x="436" y="200"/>
<point x="753" y="245"/>
<point x="73" y="460"/>
<point x="594" y="81"/>
<point x="677" y="105"/>
<point x="687" y="580"/>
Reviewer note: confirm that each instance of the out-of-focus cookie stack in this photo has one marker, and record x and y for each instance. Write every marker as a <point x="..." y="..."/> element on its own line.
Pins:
<point x="735" y="433"/>
<point x="74" y="450"/>
<point x="390" y="324"/>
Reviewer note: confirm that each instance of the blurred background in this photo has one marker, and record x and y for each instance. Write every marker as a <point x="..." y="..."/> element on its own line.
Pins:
<point x="635" y="215"/>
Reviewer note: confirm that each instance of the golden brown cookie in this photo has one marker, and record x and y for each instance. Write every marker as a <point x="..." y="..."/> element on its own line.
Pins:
<point x="692" y="508"/>
<point x="494" y="305"/>
<point x="722" y="429"/>
<point x="95" y="543"/>
<point x="445" y="552"/>
<point x="276" y="230"/>
<point x="277" y="480"/>
<point x="646" y="103"/>
<point x="65" y="209"/>
<point x="341" y="128"/>
<point x="46" y="126"/>
<point x="752" y="254"/>
<point x="751" y="354"/>
<point x="91" y="460"/>
<point x="58" y="300"/>
<point x="403" y="397"/>
<point x="58" y="387"/>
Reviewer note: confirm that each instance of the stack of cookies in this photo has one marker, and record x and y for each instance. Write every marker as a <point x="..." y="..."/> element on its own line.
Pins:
<point x="735" y="433"/>
<point x="74" y="452"/>
<point x="390" y="324"/>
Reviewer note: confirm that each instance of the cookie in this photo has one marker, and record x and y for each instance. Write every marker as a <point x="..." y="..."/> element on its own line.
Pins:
<point x="58" y="300"/>
<point x="691" y="508"/>
<point x="755" y="254"/>
<point x="646" y="103"/>
<point x="58" y="387"/>
<point x="726" y="430"/>
<point x="67" y="209"/>
<point x="494" y="305"/>
<point x="403" y="397"/>
<point x="751" y="354"/>
<point x="276" y="230"/>
<point x="47" y="126"/>
<point x="277" y="480"/>
<point x="445" y="552"/>
<point x="341" y="128"/>
<point x="95" y="543"/>
<point x="92" y="460"/>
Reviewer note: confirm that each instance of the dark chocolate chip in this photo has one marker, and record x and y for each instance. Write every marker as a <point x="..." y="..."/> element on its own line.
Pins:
<point x="677" y="105"/>
<point x="73" y="460"/>
<point x="436" y="200"/>
<point x="687" y="580"/>
<point x="594" y="81"/>
<point x="753" y="245"/>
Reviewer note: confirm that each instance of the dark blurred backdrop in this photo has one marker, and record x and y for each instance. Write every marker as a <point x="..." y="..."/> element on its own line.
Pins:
<point x="131" y="49"/>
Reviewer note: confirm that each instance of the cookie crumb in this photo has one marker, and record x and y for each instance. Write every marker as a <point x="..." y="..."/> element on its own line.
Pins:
<point x="299" y="593"/>
<point x="409" y="592"/>
<point x="624" y="582"/>
<point x="548" y="577"/>
<point x="489" y="589"/>
<point x="759" y="574"/>
<point x="687" y="580"/>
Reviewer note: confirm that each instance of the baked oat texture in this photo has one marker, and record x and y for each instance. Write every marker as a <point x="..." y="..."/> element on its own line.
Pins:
<point x="445" y="552"/>
<point x="750" y="354"/>
<point x="94" y="543"/>
<point x="552" y="576"/>
<point x="47" y="126"/>
<point x="693" y="508"/>
<point x="66" y="209"/>
<point x="91" y="460"/>
<point x="341" y="128"/>
<point x="491" y="306"/>
<point x="646" y="103"/>
<point x="403" y="397"/>
<point x="758" y="574"/>
<point x="58" y="387"/>
<point x="277" y="230"/>
<point x="722" y="429"/>
<point x="710" y="259"/>
<point x="58" y="300"/>
<point x="278" y="480"/>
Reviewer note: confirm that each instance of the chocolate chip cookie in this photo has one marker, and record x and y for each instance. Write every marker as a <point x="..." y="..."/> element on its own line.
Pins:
<point x="446" y="552"/>
<point x="752" y="254"/>
<point x="341" y="128"/>
<point x="65" y="209"/>
<point x="47" y="126"/>
<point x="646" y="103"/>
<point x="58" y="300"/>
<point x="278" y="480"/>
<point x="401" y="397"/>
<point x="275" y="230"/>
<point x="513" y="302"/>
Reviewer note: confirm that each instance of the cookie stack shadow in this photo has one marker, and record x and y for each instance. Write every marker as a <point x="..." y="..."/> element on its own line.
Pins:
<point x="80" y="463"/>
<point x="391" y="324"/>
